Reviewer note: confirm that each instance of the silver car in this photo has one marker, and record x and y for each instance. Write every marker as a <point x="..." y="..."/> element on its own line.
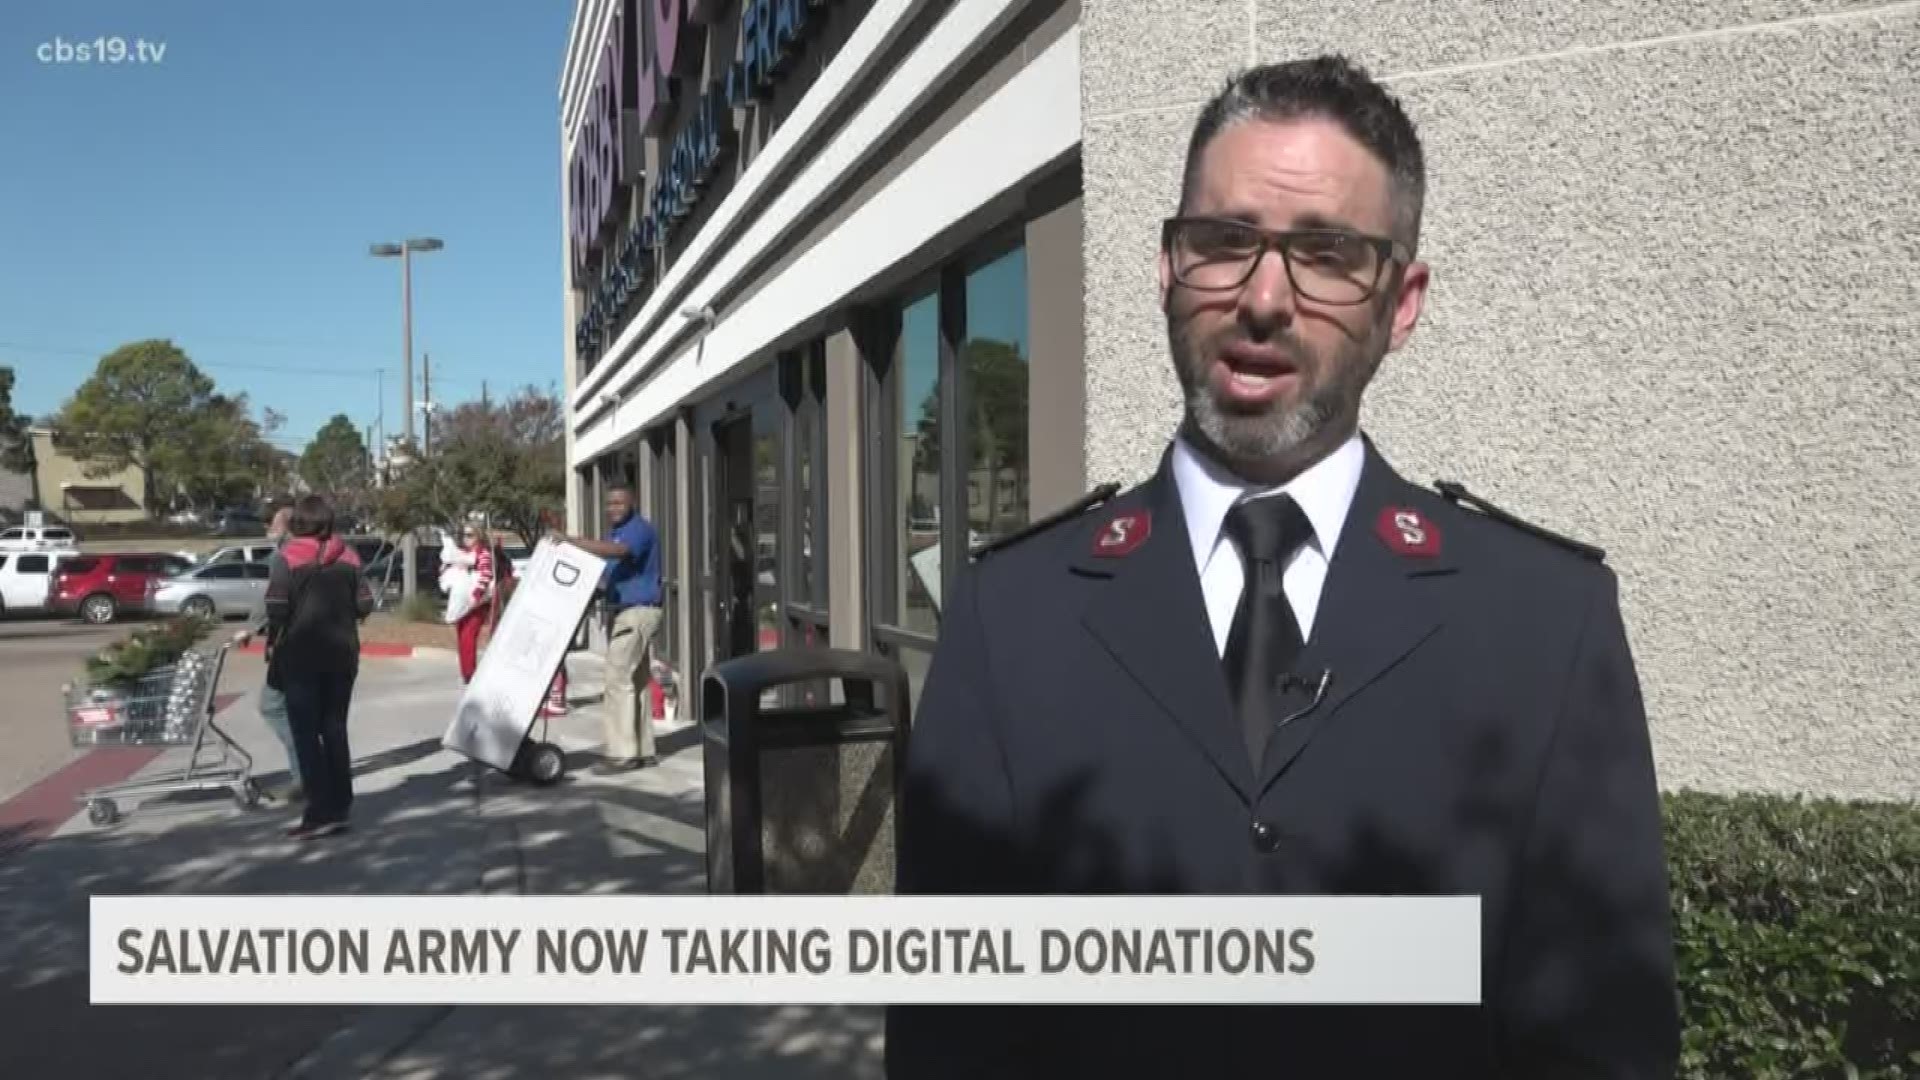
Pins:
<point x="215" y="591"/>
<point x="241" y="553"/>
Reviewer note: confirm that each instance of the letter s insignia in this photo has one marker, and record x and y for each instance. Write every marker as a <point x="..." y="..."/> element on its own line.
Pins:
<point x="1122" y="534"/>
<point x="1408" y="523"/>
<point x="1407" y="532"/>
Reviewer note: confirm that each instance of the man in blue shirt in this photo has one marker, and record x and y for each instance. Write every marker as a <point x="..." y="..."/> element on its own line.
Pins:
<point x="632" y="583"/>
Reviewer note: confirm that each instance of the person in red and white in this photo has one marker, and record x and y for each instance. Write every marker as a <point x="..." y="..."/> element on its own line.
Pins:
<point x="479" y="583"/>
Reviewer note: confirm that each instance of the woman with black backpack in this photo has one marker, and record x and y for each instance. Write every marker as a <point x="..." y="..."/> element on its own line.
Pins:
<point x="316" y="600"/>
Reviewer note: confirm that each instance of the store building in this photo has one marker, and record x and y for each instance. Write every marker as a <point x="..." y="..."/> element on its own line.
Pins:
<point x="823" y="270"/>
<point x="832" y="313"/>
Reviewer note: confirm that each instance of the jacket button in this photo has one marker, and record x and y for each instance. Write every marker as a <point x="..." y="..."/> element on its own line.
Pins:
<point x="1266" y="838"/>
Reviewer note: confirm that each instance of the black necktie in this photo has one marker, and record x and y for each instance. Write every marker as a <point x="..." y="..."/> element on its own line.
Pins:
<point x="1265" y="639"/>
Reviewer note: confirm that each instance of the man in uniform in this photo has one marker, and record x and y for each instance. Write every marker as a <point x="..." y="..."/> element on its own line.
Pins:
<point x="1278" y="667"/>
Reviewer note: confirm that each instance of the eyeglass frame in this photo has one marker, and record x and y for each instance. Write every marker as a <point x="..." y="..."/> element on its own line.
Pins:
<point x="1391" y="252"/>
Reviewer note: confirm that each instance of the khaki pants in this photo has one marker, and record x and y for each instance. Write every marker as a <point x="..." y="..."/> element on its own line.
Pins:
<point x="629" y="669"/>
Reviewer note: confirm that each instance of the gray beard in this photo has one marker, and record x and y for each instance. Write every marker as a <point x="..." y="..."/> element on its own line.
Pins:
<point x="1258" y="442"/>
<point x="1260" y="436"/>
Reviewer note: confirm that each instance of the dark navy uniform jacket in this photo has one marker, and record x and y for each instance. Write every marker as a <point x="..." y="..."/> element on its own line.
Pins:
<point x="1483" y="733"/>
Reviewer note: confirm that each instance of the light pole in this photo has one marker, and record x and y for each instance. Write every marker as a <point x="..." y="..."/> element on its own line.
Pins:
<point x="405" y="253"/>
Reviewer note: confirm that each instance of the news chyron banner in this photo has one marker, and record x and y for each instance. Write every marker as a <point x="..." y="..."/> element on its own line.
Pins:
<point x="511" y="681"/>
<point x="764" y="950"/>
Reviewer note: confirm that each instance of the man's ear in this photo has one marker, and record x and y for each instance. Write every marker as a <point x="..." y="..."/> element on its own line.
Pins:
<point x="1409" y="303"/>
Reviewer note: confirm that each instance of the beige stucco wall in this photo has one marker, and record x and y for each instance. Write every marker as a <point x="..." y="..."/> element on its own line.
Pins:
<point x="1674" y="313"/>
<point x="55" y="470"/>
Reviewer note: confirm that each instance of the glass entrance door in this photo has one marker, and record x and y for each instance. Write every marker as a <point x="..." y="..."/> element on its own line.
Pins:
<point x="746" y="429"/>
<point x="734" y="538"/>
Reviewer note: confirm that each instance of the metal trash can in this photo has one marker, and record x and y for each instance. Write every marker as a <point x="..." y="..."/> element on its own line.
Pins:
<point x="803" y="799"/>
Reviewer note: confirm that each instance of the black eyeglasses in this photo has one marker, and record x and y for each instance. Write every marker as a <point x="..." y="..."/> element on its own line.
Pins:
<point x="1327" y="266"/>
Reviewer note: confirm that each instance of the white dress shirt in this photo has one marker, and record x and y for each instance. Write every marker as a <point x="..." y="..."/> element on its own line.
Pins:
<point x="1207" y="491"/>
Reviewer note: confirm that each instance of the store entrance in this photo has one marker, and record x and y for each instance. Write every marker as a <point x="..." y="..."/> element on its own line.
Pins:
<point x="745" y="429"/>
<point x="734" y="540"/>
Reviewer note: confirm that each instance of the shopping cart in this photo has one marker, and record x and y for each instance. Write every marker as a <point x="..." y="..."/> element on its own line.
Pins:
<point x="170" y="706"/>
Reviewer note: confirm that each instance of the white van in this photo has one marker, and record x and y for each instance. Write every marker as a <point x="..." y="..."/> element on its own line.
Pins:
<point x="37" y="538"/>
<point x="26" y="578"/>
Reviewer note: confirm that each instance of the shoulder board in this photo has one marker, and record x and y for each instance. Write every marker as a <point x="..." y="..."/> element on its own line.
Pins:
<point x="1458" y="494"/>
<point x="1074" y="509"/>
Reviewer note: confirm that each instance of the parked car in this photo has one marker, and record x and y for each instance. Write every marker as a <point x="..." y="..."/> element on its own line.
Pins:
<point x="371" y="549"/>
<point x="518" y="557"/>
<point x="38" y="538"/>
<point x="240" y="553"/>
<point x="388" y="579"/>
<point x="239" y="523"/>
<point x="102" y="588"/>
<point x="214" y="591"/>
<point x="26" y="579"/>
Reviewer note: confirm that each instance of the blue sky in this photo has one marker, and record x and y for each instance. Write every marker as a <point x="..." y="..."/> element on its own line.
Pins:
<point x="225" y="197"/>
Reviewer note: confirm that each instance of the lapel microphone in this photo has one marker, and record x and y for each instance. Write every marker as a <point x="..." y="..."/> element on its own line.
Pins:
<point x="1292" y="682"/>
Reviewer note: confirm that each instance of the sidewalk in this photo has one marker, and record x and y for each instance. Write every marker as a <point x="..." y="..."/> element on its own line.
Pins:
<point x="426" y="821"/>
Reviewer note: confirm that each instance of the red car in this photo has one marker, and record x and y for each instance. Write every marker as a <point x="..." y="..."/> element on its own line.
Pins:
<point x="101" y="588"/>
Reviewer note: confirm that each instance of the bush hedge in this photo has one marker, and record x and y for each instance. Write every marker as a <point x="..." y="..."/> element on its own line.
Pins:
<point x="423" y="607"/>
<point x="1797" y="936"/>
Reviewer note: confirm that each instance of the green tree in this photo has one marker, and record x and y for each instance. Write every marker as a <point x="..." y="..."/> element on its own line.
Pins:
<point x="995" y="432"/>
<point x="334" y="464"/>
<point x="277" y="468"/>
<point x="16" y="442"/>
<point x="536" y="429"/>
<point x="227" y="460"/>
<point x="997" y="388"/>
<point x="16" y="446"/>
<point x="421" y="493"/>
<point x="139" y="410"/>
<point x="506" y="459"/>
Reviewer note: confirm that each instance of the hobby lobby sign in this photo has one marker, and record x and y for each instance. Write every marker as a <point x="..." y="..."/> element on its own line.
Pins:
<point x="648" y="45"/>
<point x="647" y="73"/>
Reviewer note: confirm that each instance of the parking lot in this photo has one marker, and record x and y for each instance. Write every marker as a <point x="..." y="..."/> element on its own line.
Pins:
<point x="39" y="656"/>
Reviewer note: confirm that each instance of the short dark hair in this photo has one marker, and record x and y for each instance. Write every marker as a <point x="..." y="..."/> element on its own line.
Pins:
<point x="1332" y="88"/>
<point x="312" y="516"/>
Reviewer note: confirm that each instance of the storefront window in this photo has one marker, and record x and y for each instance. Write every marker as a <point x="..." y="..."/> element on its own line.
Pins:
<point x="917" y="381"/>
<point x="803" y="466"/>
<point x="766" y="525"/>
<point x="666" y="521"/>
<point x="805" y="380"/>
<point x="953" y="382"/>
<point x="993" y="359"/>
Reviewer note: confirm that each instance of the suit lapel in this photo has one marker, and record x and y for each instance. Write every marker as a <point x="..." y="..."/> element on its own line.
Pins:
<point x="1381" y="601"/>
<point x="1152" y="616"/>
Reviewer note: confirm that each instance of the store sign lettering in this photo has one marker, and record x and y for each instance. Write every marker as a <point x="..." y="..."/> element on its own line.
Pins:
<point x="606" y="158"/>
<point x="667" y="56"/>
<point x="771" y="33"/>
